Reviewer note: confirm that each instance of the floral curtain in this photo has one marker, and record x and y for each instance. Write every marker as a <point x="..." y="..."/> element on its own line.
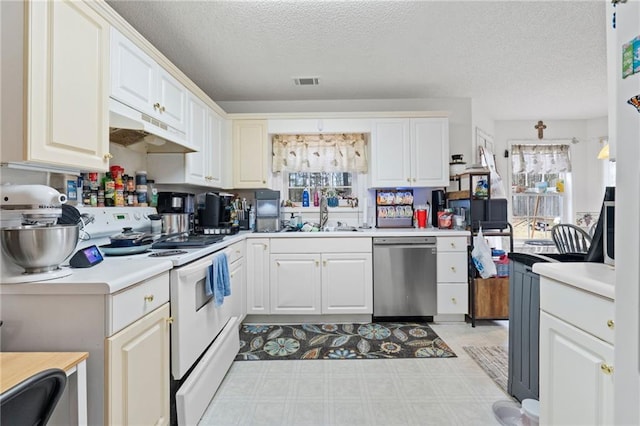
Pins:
<point x="545" y="159"/>
<point x="320" y="153"/>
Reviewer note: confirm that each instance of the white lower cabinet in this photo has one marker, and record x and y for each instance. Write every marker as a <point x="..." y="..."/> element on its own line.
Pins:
<point x="295" y="284"/>
<point x="347" y="283"/>
<point x="576" y="355"/>
<point x="257" y="294"/>
<point x="452" y="275"/>
<point x="138" y="372"/>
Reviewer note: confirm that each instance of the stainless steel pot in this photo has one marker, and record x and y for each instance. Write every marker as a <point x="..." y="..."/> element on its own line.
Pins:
<point x="175" y="223"/>
<point x="39" y="248"/>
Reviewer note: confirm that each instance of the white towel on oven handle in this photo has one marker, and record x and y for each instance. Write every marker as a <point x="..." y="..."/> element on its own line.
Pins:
<point x="218" y="282"/>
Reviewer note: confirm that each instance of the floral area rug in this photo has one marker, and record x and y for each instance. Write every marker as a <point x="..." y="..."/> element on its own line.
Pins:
<point x="382" y="340"/>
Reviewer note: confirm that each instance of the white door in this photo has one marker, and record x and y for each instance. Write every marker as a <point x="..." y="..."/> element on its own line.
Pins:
<point x="430" y="145"/>
<point x="391" y="153"/>
<point x="577" y="387"/>
<point x="133" y="75"/>
<point x="347" y="283"/>
<point x="138" y="372"/>
<point x="198" y="136"/>
<point x="68" y="85"/>
<point x="172" y="96"/>
<point x="258" y="300"/>
<point x="295" y="284"/>
<point x="214" y="156"/>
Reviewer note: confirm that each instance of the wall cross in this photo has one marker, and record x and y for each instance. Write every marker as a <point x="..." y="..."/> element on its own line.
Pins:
<point x="540" y="127"/>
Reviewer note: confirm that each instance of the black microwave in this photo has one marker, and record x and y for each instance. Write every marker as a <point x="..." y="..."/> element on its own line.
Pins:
<point x="608" y="232"/>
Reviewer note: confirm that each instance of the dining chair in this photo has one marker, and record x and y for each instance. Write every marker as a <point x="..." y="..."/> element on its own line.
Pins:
<point x="570" y="238"/>
<point x="32" y="401"/>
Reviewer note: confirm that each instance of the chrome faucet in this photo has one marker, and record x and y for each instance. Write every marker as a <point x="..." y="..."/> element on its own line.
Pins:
<point x="324" y="212"/>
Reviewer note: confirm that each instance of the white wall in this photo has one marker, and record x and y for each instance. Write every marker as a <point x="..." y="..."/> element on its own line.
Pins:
<point x="587" y="170"/>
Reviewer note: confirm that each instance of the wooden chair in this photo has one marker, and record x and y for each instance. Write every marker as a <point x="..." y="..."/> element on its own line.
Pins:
<point x="570" y="238"/>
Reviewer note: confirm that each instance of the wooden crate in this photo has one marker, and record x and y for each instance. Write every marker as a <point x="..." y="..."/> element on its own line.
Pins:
<point x="491" y="298"/>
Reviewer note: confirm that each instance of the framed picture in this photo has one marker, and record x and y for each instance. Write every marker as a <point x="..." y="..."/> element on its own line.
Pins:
<point x="483" y="140"/>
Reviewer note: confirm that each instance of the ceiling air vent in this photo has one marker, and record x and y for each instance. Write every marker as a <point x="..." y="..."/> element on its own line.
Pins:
<point x="307" y="81"/>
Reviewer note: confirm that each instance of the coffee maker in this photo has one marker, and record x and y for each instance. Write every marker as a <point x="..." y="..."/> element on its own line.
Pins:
<point x="177" y="202"/>
<point x="438" y="204"/>
<point x="214" y="213"/>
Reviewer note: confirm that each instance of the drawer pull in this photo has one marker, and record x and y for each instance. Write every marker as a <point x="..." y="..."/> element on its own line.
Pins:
<point x="237" y="251"/>
<point x="453" y="269"/>
<point x="170" y="320"/>
<point x="148" y="298"/>
<point x="606" y="369"/>
<point x="156" y="105"/>
<point x="453" y="300"/>
<point x="611" y="324"/>
<point x="277" y="263"/>
<point x="453" y="245"/>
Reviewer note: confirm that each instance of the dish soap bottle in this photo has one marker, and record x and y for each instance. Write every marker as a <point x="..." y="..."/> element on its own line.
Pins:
<point x="305" y="197"/>
<point x="316" y="198"/>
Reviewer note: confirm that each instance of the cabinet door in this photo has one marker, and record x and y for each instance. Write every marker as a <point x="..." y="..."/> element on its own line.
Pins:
<point x="430" y="151"/>
<point x="251" y="154"/>
<point x="258" y="276"/>
<point x="295" y="284"/>
<point x="238" y="298"/>
<point x="172" y="97"/>
<point x="576" y="386"/>
<point x="198" y="136"/>
<point x="133" y="75"/>
<point x="214" y="156"/>
<point x="347" y="283"/>
<point x="390" y="153"/>
<point x="138" y="372"/>
<point x="68" y="85"/>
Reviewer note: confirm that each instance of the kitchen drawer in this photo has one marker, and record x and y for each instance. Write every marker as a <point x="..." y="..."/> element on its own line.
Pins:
<point x="452" y="244"/>
<point x="453" y="298"/>
<point x="234" y="252"/>
<point x="136" y="301"/>
<point x="570" y="304"/>
<point x="321" y="245"/>
<point x="452" y="267"/>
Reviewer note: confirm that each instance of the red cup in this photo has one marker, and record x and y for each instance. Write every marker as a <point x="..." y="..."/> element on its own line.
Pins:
<point x="421" y="217"/>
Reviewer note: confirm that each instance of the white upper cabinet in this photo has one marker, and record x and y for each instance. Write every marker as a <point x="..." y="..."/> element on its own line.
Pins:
<point x="409" y="152"/>
<point x="214" y="164"/>
<point x="319" y="125"/>
<point x="57" y="73"/>
<point x="251" y="152"/>
<point x="198" y="135"/>
<point x="138" y="81"/>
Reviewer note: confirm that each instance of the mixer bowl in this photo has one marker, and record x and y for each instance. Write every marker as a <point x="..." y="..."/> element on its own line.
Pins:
<point x="39" y="248"/>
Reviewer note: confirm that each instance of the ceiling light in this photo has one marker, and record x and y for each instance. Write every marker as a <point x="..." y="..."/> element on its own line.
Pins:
<point x="306" y="81"/>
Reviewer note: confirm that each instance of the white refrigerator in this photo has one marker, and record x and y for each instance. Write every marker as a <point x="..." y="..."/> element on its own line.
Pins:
<point x="624" y="137"/>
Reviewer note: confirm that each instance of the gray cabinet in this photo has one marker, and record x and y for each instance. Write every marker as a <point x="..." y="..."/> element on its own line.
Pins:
<point x="524" y="331"/>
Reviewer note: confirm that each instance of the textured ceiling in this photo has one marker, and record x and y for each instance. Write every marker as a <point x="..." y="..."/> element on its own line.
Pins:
<point x="516" y="59"/>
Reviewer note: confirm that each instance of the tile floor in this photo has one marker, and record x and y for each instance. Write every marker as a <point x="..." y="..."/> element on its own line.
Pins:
<point x="453" y="391"/>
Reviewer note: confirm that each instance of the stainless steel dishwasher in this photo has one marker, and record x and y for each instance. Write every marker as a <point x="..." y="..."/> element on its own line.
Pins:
<point x="404" y="277"/>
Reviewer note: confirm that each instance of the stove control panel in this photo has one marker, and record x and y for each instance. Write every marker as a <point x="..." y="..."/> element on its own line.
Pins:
<point x="110" y="220"/>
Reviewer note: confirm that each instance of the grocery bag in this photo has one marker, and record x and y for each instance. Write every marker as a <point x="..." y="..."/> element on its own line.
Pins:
<point x="481" y="256"/>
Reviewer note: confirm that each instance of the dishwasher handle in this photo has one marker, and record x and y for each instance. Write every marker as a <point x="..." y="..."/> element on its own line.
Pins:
<point x="405" y="241"/>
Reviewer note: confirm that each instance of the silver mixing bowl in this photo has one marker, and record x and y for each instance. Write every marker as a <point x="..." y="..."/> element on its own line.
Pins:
<point x="39" y="248"/>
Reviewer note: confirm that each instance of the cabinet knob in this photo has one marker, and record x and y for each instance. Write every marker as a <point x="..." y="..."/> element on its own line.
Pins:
<point x="324" y="263"/>
<point x="156" y="105"/>
<point x="606" y="369"/>
<point x="453" y="245"/>
<point x="408" y="179"/>
<point x="277" y="263"/>
<point x="611" y="324"/>
<point x="414" y="179"/>
<point x="317" y="263"/>
<point x="170" y="320"/>
<point x="453" y="269"/>
<point x="237" y="251"/>
<point x="162" y="108"/>
<point x="107" y="156"/>
<point x="453" y="300"/>
<point x="264" y="181"/>
<point x="148" y="298"/>
<point x="264" y="246"/>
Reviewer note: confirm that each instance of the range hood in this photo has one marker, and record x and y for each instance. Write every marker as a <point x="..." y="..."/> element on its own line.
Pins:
<point x="128" y="126"/>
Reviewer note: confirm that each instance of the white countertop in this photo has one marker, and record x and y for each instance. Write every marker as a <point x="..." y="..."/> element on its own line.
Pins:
<point x="596" y="278"/>
<point x="116" y="273"/>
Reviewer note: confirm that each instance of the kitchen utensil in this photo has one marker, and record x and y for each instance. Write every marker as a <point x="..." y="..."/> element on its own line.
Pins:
<point x="176" y="223"/>
<point x="129" y="237"/>
<point x="167" y="253"/>
<point x="111" y="250"/>
<point x="70" y="215"/>
<point x="39" y="248"/>
<point x="156" y="223"/>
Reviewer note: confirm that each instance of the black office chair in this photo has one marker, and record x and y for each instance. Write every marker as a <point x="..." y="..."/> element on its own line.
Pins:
<point x="31" y="402"/>
<point x="570" y="238"/>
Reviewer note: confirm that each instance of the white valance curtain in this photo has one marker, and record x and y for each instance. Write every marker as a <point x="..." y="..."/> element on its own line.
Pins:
<point x="320" y="153"/>
<point x="543" y="158"/>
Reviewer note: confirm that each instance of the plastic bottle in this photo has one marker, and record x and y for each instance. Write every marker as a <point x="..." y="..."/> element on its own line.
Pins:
<point x="252" y="219"/>
<point x="316" y="198"/>
<point x="305" y="197"/>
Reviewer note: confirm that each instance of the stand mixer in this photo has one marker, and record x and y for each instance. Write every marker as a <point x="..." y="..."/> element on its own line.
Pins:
<point x="31" y="239"/>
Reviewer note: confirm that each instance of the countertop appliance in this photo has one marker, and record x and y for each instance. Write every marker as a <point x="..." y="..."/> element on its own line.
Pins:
<point x="404" y="277"/>
<point x="267" y="210"/>
<point x="214" y="213"/>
